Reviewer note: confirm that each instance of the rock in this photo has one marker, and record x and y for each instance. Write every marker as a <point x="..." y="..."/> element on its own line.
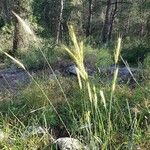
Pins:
<point x="11" y="71"/>
<point x="33" y="130"/>
<point x="2" y="135"/>
<point x="71" y="70"/>
<point x="13" y="78"/>
<point x="67" y="143"/>
<point x="124" y="73"/>
<point x="6" y="137"/>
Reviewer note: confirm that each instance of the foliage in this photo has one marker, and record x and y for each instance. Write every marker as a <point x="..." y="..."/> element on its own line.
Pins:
<point x="135" y="52"/>
<point x="96" y="58"/>
<point x="5" y="40"/>
<point x="48" y="18"/>
<point x="39" y="57"/>
<point x="147" y="62"/>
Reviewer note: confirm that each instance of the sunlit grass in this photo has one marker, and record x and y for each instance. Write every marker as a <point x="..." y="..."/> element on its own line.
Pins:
<point x="92" y="113"/>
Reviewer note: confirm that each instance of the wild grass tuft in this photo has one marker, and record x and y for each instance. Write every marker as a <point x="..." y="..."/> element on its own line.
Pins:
<point x="92" y="117"/>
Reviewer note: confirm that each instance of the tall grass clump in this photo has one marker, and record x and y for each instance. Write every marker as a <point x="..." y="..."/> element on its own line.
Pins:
<point x="98" y="123"/>
<point x="96" y="120"/>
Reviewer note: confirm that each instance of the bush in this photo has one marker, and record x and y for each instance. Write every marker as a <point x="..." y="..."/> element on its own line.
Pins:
<point x="147" y="62"/>
<point x="34" y="59"/>
<point x="5" y="40"/>
<point x="135" y="51"/>
<point x="98" y="57"/>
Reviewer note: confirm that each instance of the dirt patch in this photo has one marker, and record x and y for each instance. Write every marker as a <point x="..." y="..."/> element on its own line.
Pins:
<point x="12" y="79"/>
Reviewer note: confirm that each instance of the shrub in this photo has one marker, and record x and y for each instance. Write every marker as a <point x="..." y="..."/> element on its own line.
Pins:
<point x="135" y="51"/>
<point x="98" y="57"/>
<point x="5" y="40"/>
<point x="36" y="58"/>
<point x="147" y="62"/>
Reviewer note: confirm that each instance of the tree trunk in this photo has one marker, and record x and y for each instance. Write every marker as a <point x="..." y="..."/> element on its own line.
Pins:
<point x="15" y="38"/>
<point x="59" y="21"/>
<point x="127" y="26"/>
<point x="15" y="47"/>
<point x="106" y="23"/>
<point x="113" y="14"/>
<point x="142" y="30"/>
<point x="148" y="28"/>
<point x="88" y="29"/>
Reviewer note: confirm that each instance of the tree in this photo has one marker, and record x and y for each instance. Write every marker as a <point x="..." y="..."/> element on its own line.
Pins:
<point x="17" y="34"/>
<point x="19" y="37"/>
<point x="59" y="21"/>
<point x="106" y="23"/>
<point x="88" y="29"/>
<point x="112" y="18"/>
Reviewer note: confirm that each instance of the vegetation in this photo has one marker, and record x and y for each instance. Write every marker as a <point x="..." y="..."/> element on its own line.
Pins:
<point x="99" y="110"/>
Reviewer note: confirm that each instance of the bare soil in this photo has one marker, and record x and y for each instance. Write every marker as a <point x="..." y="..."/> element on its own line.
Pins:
<point x="12" y="79"/>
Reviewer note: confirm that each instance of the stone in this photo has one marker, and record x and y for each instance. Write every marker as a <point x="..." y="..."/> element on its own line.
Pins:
<point x="33" y="130"/>
<point x="2" y="135"/>
<point x="71" y="70"/>
<point x="13" y="78"/>
<point x="6" y="137"/>
<point x="67" y="143"/>
<point x="124" y="73"/>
